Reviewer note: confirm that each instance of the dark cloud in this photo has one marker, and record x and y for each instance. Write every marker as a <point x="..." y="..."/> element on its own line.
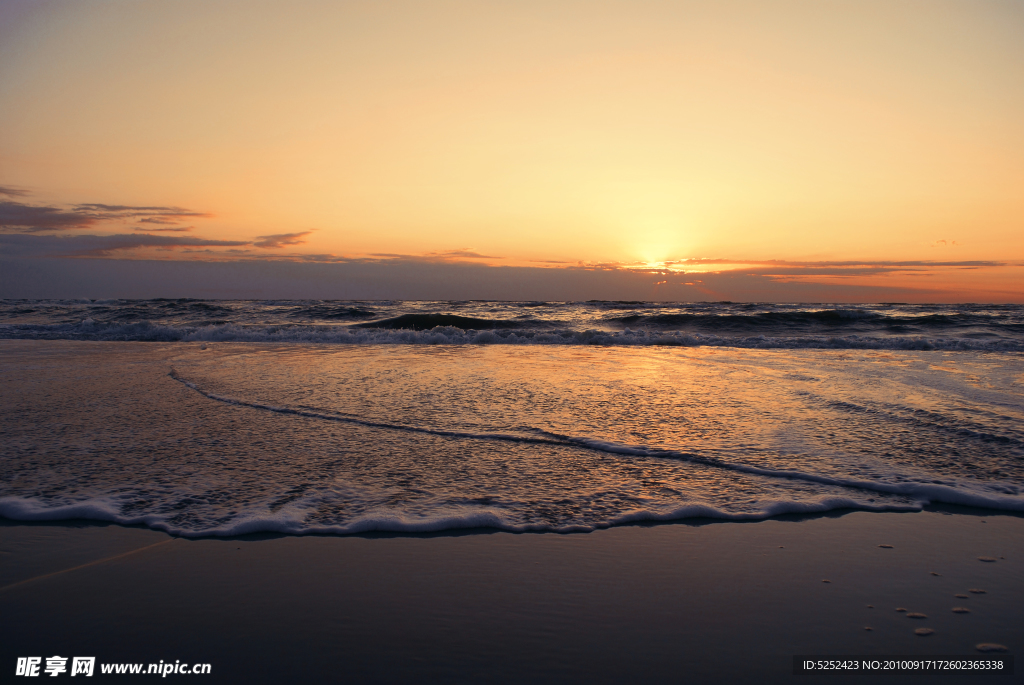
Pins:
<point x="824" y="269"/>
<point x="142" y="213"/>
<point x="174" y="229"/>
<point x="230" y="250"/>
<point x="98" y="207"/>
<point x="776" y="264"/>
<point x="280" y="240"/>
<point x="443" y="256"/>
<point x="32" y="218"/>
<point x="803" y="269"/>
<point x="214" y="275"/>
<point x="22" y="245"/>
<point x="321" y="258"/>
<point x="29" y="218"/>
<point x="11" y="191"/>
<point x="463" y="253"/>
<point x="923" y="263"/>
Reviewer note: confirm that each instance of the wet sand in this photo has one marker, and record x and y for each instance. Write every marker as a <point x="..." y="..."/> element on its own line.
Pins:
<point x="702" y="602"/>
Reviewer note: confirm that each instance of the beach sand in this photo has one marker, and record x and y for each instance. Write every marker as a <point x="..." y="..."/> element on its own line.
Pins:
<point x="699" y="601"/>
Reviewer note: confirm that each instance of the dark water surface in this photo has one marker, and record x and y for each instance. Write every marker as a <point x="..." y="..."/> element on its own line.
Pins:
<point x="880" y="326"/>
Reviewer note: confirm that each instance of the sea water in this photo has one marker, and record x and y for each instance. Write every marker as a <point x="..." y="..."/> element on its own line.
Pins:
<point x="222" y="418"/>
<point x="790" y="326"/>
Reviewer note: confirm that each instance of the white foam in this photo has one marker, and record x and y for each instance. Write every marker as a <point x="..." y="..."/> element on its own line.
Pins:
<point x="922" y="493"/>
<point x="845" y="480"/>
<point x="290" y="520"/>
<point x="89" y="329"/>
<point x="365" y="422"/>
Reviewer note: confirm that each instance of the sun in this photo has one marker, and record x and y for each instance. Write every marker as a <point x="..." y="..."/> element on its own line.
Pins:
<point x="653" y="246"/>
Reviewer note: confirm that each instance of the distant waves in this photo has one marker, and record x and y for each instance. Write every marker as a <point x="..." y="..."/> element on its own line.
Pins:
<point x="145" y="331"/>
<point x="994" y="328"/>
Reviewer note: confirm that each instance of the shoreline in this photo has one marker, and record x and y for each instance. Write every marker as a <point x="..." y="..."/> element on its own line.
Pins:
<point x="711" y="601"/>
<point x="690" y="521"/>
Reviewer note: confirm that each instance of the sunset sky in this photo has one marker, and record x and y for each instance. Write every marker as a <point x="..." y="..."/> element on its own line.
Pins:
<point x="861" y="148"/>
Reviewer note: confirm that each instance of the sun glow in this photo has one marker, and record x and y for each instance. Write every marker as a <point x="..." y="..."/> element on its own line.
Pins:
<point x="657" y="242"/>
<point x="643" y="135"/>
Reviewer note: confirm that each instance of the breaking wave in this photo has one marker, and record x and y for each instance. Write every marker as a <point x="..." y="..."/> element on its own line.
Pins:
<point x="498" y="333"/>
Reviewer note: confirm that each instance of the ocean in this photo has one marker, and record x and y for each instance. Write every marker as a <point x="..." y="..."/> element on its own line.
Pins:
<point x="219" y="418"/>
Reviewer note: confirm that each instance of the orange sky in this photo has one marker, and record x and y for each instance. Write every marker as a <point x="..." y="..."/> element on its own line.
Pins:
<point x="528" y="133"/>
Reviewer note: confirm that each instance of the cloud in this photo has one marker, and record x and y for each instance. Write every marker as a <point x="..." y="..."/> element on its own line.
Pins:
<point x="280" y="240"/>
<point x="811" y="269"/>
<point x="24" y="218"/>
<point x="442" y="256"/>
<point x="826" y="263"/>
<point x="778" y="267"/>
<point x="22" y="245"/>
<point x="143" y="213"/>
<point x="29" y="218"/>
<point x="32" y="218"/>
<point x="230" y="250"/>
<point x="463" y="253"/>
<point x="324" y="259"/>
<point x="174" y="229"/>
<point x="274" y="277"/>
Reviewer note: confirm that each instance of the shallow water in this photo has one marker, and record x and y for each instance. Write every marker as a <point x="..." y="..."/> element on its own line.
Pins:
<point x="220" y="439"/>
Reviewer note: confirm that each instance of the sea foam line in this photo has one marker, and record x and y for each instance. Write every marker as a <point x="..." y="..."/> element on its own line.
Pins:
<point x="145" y="331"/>
<point x="365" y="422"/>
<point x="292" y="522"/>
<point x="925" y="493"/>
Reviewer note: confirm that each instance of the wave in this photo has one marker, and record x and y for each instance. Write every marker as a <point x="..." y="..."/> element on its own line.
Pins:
<point x="924" y="492"/>
<point x="427" y="322"/>
<point x="374" y="334"/>
<point x="329" y="312"/>
<point x="830" y="318"/>
<point x="592" y="322"/>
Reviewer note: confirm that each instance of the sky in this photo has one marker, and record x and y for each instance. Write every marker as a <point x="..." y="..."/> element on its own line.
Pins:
<point x="807" y="150"/>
